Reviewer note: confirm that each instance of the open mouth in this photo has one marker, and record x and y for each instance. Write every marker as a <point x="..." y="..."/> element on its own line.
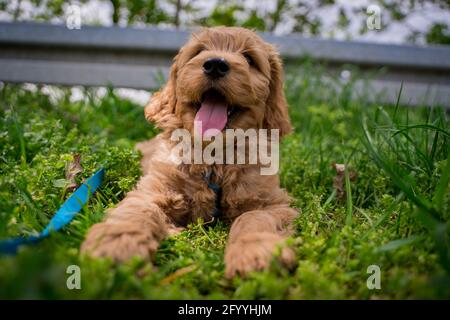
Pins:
<point x="214" y="111"/>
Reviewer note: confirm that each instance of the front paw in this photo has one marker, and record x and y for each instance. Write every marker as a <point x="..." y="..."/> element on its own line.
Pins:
<point x="254" y="251"/>
<point x="119" y="241"/>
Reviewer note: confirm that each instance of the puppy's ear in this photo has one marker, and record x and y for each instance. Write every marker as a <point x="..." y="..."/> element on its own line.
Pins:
<point x="276" y="115"/>
<point x="161" y="108"/>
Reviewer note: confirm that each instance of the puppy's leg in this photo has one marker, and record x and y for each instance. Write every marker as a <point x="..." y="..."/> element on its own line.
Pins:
<point x="254" y="238"/>
<point x="134" y="228"/>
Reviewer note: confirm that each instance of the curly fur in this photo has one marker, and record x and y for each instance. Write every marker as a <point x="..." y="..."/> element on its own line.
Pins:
<point x="169" y="196"/>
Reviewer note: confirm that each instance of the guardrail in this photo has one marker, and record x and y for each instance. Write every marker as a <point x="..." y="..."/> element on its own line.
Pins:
<point x="136" y="58"/>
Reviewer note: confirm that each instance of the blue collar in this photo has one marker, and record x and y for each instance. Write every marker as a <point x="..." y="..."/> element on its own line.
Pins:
<point x="216" y="213"/>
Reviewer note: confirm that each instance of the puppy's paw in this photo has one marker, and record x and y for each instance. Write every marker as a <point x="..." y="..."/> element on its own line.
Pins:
<point x="254" y="252"/>
<point x="119" y="241"/>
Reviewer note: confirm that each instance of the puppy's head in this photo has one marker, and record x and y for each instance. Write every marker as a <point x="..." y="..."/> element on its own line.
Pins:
<point x="224" y="77"/>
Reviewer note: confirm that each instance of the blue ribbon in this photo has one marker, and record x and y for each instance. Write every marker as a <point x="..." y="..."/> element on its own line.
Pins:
<point x="62" y="217"/>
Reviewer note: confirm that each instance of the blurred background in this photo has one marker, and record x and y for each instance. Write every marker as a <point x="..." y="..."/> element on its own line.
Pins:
<point x="415" y="22"/>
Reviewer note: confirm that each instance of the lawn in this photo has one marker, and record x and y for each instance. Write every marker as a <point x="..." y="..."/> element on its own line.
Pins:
<point x="389" y="208"/>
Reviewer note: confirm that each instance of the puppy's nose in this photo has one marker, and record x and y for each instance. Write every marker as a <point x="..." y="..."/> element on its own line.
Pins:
<point x="216" y="67"/>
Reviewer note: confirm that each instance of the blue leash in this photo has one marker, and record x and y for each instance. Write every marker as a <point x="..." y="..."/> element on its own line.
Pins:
<point x="62" y="217"/>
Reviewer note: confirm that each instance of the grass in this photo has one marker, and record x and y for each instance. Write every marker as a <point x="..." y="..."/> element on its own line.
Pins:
<point x="394" y="214"/>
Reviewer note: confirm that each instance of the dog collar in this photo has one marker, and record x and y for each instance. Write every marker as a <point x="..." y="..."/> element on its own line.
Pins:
<point x="216" y="213"/>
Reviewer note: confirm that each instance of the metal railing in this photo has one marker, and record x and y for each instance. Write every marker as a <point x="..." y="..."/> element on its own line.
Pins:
<point x="136" y="58"/>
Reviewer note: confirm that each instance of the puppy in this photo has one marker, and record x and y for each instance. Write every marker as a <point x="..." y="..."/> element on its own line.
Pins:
<point x="224" y="78"/>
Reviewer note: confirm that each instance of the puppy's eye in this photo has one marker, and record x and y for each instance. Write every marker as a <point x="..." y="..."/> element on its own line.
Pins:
<point x="199" y="51"/>
<point x="249" y="59"/>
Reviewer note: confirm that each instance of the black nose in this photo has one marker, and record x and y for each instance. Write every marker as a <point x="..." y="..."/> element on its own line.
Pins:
<point x="216" y="67"/>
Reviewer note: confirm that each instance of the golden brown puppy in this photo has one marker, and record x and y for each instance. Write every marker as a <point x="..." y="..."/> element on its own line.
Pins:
<point x="235" y="78"/>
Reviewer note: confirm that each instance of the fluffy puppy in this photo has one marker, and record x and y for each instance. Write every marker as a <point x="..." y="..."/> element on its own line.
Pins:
<point x="224" y="77"/>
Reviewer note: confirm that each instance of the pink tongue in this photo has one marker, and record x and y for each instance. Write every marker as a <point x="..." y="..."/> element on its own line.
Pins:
<point x="212" y="113"/>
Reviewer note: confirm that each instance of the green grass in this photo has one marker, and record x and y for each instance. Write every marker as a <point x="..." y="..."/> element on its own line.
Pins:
<point x="395" y="214"/>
